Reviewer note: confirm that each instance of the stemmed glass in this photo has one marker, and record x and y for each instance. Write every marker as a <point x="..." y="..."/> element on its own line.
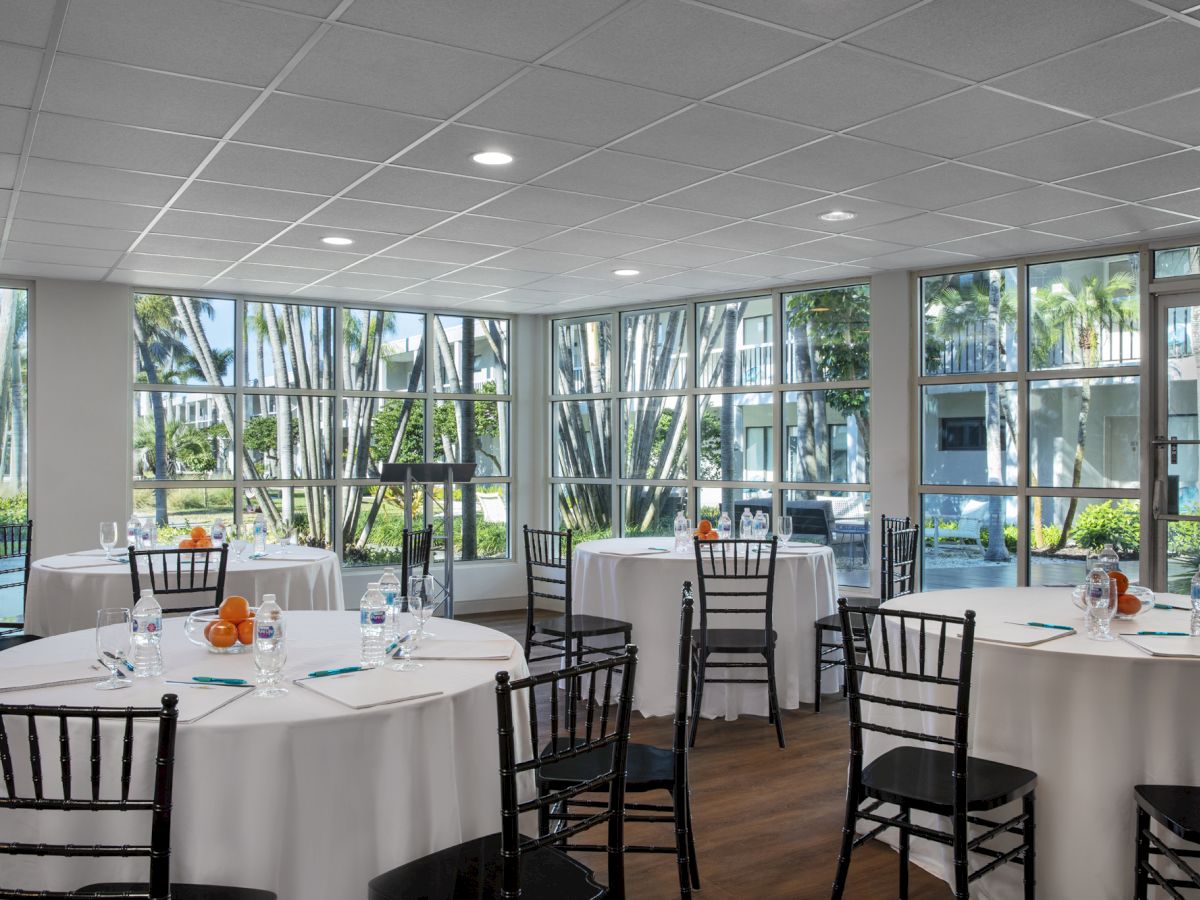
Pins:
<point x="408" y="640"/>
<point x="1102" y="605"/>
<point x="112" y="645"/>
<point x="108" y="538"/>
<point x="420" y="604"/>
<point x="237" y="541"/>
<point x="783" y="528"/>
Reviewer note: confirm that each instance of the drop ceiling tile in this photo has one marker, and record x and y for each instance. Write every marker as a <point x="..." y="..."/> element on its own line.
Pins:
<point x="26" y="21"/>
<point x="624" y="176"/>
<point x="1151" y="178"/>
<point x="365" y="282"/>
<point x="570" y="285"/>
<point x="12" y="129"/>
<point x="547" y="103"/>
<point x="1187" y="203"/>
<point x="844" y="248"/>
<point x="542" y="261"/>
<point x="524" y="30"/>
<point x="739" y="196"/>
<point x="817" y="16"/>
<point x="98" y="183"/>
<point x="840" y="163"/>
<point x="1013" y="242"/>
<point x="337" y="129"/>
<point x="927" y="228"/>
<point x="603" y="271"/>
<point x="403" y="268"/>
<point x="282" y="169"/>
<point x="940" y="186"/>
<point x="310" y="236"/>
<point x="278" y="255"/>
<point x="685" y="255"/>
<point x="966" y="122"/>
<point x="19" y="69"/>
<point x="1114" y="76"/>
<point x="324" y="291"/>
<point x="392" y="72"/>
<point x="53" y="253"/>
<point x="717" y="137"/>
<point x="1177" y="119"/>
<point x="659" y="222"/>
<point x="496" y="278"/>
<point x="280" y="274"/>
<point x="642" y="293"/>
<point x="432" y="190"/>
<point x="320" y="8"/>
<point x="838" y="88"/>
<point x="866" y="212"/>
<point x="593" y="243"/>
<point x="1088" y="147"/>
<point x="450" y="150"/>
<point x="197" y="248"/>
<point x="157" y="279"/>
<point x="448" y="251"/>
<point x="240" y="43"/>
<point x="681" y="49"/>
<point x="5" y="200"/>
<point x="753" y="237"/>
<point x="71" y="235"/>
<point x="1030" y="205"/>
<point x="229" y="228"/>
<point x="149" y="262"/>
<point x="69" y="139"/>
<point x="698" y="280"/>
<point x="539" y="204"/>
<point x="51" y="270"/>
<point x="915" y="259"/>
<point x="829" y="273"/>
<point x="75" y="211"/>
<point x="490" y="230"/>
<point x="8" y="170"/>
<point x="1110" y="223"/>
<point x="384" y="217"/>
<point x="239" y="200"/>
<point x="130" y="96"/>
<point x="455" y="290"/>
<point x="979" y="39"/>
<point x="764" y="266"/>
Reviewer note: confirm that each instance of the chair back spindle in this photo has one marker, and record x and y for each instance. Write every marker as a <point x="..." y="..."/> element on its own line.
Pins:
<point x="733" y="575"/>
<point x="176" y="572"/>
<point x="415" y="553"/>
<point x="549" y="559"/>
<point x="899" y="572"/>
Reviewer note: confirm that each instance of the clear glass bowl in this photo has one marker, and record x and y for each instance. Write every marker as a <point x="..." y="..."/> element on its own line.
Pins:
<point x="194" y="629"/>
<point x="1145" y="595"/>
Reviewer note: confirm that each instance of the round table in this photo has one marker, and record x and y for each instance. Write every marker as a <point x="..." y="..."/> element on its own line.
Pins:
<point x="66" y="591"/>
<point x="299" y="794"/>
<point x="626" y="579"/>
<point x="1091" y="718"/>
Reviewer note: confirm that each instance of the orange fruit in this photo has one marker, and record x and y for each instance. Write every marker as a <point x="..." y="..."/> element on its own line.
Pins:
<point x="198" y="532"/>
<point x="246" y="631"/>
<point x="235" y="609"/>
<point x="222" y="633"/>
<point x="208" y="630"/>
<point x="1122" y="581"/>
<point x="705" y="526"/>
<point x="709" y="535"/>
<point x="205" y="543"/>
<point x="187" y="544"/>
<point x="1128" y="604"/>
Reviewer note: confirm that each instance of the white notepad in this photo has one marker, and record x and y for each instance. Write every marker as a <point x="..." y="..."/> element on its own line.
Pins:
<point x="373" y="687"/>
<point x="1158" y="645"/>
<point x="42" y="675"/>
<point x="1019" y="635"/>
<point x="81" y="563"/>
<point x="435" y="649"/>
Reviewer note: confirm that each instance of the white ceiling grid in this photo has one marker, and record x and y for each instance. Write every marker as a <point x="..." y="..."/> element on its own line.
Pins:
<point x="210" y="144"/>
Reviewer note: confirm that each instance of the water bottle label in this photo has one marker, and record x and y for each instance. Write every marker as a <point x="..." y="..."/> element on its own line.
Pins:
<point x="149" y="626"/>
<point x="390" y="597"/>
<point x="265" y="631"/>
<point x="1096" y="591"/>
<point x="377" y="616"/>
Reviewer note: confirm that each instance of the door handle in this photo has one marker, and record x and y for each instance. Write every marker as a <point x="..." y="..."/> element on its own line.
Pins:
<point x="1156" y="501"/>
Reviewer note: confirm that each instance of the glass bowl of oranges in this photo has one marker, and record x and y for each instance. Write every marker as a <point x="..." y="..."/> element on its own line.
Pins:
<point x="228" y="628"/>
<point x="1132" y="599"/>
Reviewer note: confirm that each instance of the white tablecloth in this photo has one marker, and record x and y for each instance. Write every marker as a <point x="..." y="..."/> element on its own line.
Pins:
<point x="299" y="794"/>
<point x="62" y="599"/>
<point x="1092" y="719"/>
<point x="611" y="580"/>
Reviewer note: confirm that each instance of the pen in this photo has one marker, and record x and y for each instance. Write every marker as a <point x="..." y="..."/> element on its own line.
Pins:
<point x="1165" y="633"/>
<point x="204" y="679"/>
<point x="1169" y="606"/>
<point x="1044" y="625"/>
<point x="394" y="645"/>
<point x="321" y="673"/>
<point x="662" y="549"/>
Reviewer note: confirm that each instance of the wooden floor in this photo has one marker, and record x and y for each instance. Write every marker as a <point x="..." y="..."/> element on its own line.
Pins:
<point x="768" y="821"/>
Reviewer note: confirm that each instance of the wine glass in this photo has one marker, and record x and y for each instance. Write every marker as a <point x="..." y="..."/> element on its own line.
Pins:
<point x="783" y="528"/>
<point x="421" y="604"/>
<point x="408" y="641"/>
<point x="112" y="645"/>
<point x="235" y="535"/>
<point x="1101" y="602"/>
<point x="270" y="655"/>
<point x="108" y="537"/>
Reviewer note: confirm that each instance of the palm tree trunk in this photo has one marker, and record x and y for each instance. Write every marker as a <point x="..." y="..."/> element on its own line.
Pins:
<point x="283" y="411"/>
<point x="1085" y="403"/>
<point x="728" y="411"/>
<point x="467" y="443"/>
<point x="160" y="421"/>
<point x="996" y="551"/>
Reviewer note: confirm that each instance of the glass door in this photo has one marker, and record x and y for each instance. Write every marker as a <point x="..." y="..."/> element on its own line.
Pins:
<point x="1176" y="486"/>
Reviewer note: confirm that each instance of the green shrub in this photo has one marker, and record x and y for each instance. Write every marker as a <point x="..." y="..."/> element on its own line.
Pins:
<point x="1115" y="522"/>
<point x="14" y="508"/>
<point x="1183" y="538"/>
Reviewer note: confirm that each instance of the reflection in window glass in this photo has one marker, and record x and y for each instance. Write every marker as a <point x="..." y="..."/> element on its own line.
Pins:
<point x="382" y="431"/>
<point x="736" y="437"/>
<point x="288" y="345"/>
<point x="480" y="521"/>
<point x="827" y="435"/>
<point x="470" y="356"/>
<point x="581" y="356"/>
<point x="969" y="541"/>
<point x="1063" y="530"/>
<point x="288" y="437"/>
<point x="1083" y="313"/>
<point x="970" y="322"/>
<point x="969" y="433"/>
<point x="716" y="500"/>
<point x="373" y="533"/>
<point x="839" y="519"/>
<point x="299" y="513"/>
<point x="182" y="340"/>
<point x="654" y="438"/>
<point x="1183" y="554"/>
<point x="582" y="439"/>
<point x="827" y="334"/>
<point x="384" y="350"/>
<point x="1084" y="432"/>
<point x="735" y="339"/>
<point x="181" y="436"/>
<point x="649" y="510"/>
<point x="472" y="431"/>
<point x="1176" y="262"/>
<point x="584" y="508"/>
<point x="653" y="355"/>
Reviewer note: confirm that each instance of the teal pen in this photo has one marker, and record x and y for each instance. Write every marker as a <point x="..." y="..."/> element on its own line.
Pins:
<point x="207" y="679"/>
<point x="321" y="673"/>
<point x="1165" y="633"/>
<point x="127" y="664"/>
<point x="663" y="549"/>
<point x="1169" y="606"/>
<point x="1048" y="625"/>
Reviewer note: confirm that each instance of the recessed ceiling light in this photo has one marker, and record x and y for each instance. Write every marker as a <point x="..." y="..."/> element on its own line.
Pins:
<point x="626" y="273"/>
<point x="492" y="158"/>
<point x="337" y="241"/>
<point x="837" y="215"/>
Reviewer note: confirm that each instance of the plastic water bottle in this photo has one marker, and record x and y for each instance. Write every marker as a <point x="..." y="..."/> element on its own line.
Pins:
<point x="260" y="535"/>
<point x="1093" y="560"/>
<point x="145" y="539"/>
<point x="760" y="526"/>
<point x="133" y="528"/>
<point x="146" y="627"/>
<point x="1196" y="603"/>
<point x="724" y="527"/>
<point x="270" y="646"/>
<point x="389" y="586"/>
<point x="746" y="525"/>
<point x="372" y="615"/>
<point x="683" y="533"/>
<point x="218" y="532"/>
<point x="1099" y="592"/>
<point x="1109" y="560"/>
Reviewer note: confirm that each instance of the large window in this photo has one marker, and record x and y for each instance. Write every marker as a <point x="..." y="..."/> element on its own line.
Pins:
<point x="1030" y="409"/>
<point x="291" y="409"/>
<point x="759" y="403"/>
<point x="14" y="431"/>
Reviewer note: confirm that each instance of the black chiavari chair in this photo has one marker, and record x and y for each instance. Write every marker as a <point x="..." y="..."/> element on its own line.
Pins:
<point x="549" y="557"/>
<point x="96" y="799"/>
<point x="507" y="864"/>
<point x="740" y="576"/>
<point x="416" y="550"/>
<point x="16" y="556"/>
<point x="897" y="574"/>
<point x="948" y="783"/>
<point x="1177" y="808"/>
<point x="196" y="573"/>
<point x="649" y="768"/>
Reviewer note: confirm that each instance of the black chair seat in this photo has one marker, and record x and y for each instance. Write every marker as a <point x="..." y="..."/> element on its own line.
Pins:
<point x="472" y="871"/>
<point x="186" y="891"/>
<point x="13" y="640"/>
<point x="1176" y="807"/>
<point x="734" y="640"/>
<point x="647" y="768"/>
<point x="923" y="779"/>
<point x="834" y="622"/>
<point x="587" y="626"/>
